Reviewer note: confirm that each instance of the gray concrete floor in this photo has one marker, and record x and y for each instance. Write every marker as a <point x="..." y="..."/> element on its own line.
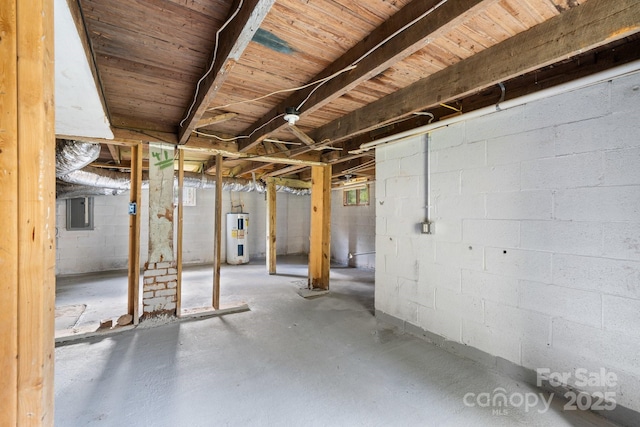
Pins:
<point x="289" y="361"/>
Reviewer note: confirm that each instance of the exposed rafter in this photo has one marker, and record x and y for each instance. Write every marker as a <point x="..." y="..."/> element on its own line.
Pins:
<point x="436" y="22"/>
<point x="582" y="28"/>
<point x="232" y="42"/>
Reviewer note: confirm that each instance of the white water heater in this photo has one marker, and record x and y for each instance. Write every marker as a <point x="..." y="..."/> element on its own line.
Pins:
<point x="237" y="238"/>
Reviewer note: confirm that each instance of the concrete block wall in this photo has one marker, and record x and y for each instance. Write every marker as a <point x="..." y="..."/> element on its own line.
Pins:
<point x="106" y="247"/>
<point x="353" y="230"/>
<point x="536" y="251"/>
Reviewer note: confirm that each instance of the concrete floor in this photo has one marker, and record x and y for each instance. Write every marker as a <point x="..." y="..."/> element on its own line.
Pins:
<point x="289" y="361"/>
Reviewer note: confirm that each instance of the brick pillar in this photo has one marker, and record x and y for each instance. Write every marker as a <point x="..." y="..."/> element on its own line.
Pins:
<point x="159" y="288"/>
<point x="160" y="274"/>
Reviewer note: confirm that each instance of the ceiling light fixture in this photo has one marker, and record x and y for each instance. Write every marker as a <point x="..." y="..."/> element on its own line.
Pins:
<point x="291" y="115"/>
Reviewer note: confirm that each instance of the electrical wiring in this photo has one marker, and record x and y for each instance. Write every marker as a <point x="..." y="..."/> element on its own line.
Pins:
<point x="293" y="89"/>
<point x="377" y="46"/>
<point x="235" y="138"/>
<point x="318" y="83"/>
<point x="213" y="62"/>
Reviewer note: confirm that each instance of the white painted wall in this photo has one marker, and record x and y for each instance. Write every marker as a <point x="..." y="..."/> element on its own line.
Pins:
<point x="106" y="247"/>
<point x="353" y="229"/>
<point x="79" y="111"/>
<point x="536" y="251"/>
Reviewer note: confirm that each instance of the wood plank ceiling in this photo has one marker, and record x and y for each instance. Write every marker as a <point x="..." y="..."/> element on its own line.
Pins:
<point x="349" y="67"/>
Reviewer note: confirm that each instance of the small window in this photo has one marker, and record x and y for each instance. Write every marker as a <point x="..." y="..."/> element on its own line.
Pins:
<point x="80" y="213"/>
<point x="356" y="197"/>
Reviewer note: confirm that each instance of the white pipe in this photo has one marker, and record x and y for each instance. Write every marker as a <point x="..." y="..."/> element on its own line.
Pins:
<point x="622" y="70"/>
<point x="351" y="254"/>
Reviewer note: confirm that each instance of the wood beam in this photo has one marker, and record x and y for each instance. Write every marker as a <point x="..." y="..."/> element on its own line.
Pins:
<point x="306" y="139"/>
<point x="308" y="159"/>
<point x="128" y="137"/>
<point x="389" y="49"/>
<point x="180" y="231"/>
<point x="285" y="171"/>
<point x="27" y="206"/>
<point x="271" y="226"/>
<point x="135" y="196"/>
<point x="289" y="182"/>
<point x="320" y="233"/>
<point x="576" y="30"/>
<point x="208" y="121"/>
<point x="114" y="150"/>
<point x="218" y="234"/>
<point x="249" y="167"/>
<point x="232" y="42"/>
<point x="209" y="166"/>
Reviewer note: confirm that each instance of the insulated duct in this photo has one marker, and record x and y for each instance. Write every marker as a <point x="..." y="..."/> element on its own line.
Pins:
<point x="73" y="155"/>
<point x="107" y="182"/>
<point x="65" y="190"/>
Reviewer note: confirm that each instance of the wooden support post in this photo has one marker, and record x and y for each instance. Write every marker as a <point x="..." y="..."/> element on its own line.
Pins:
<point x="27" y="209"/>
<point x="320" y="240"/>
<point x="135" y="196"/>
<point x="181" y="154"/>
<point x="218" y="234"/>
<point x="271" y="225"/>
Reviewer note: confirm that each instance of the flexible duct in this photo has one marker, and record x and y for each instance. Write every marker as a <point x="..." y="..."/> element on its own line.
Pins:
<point x="65" y="190"/>
<point x="73" y="155"/>
<point x="113" y="182"/>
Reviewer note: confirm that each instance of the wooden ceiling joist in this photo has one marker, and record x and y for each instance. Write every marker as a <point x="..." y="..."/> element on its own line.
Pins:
<point x="208" y="121"/>
<point x="115" y="153"/>
<point x="232" y="42"/>
<point x="390" y="43"/>
<point x="579" y="29"/>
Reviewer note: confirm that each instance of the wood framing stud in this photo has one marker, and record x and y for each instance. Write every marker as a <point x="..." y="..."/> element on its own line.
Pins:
<point x="27" y="209"/>
<point x="218" y="234"/>
<point x="320" y="239"/>
<point x="181" y="154"/>
<point x="135" y="196"/>
<point x="271" y="225"/>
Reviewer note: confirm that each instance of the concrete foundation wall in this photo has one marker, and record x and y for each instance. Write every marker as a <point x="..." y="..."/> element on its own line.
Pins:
<point x="353" y="229"/>
<point x="106" y="246"/>
<point x="536" y="253"/>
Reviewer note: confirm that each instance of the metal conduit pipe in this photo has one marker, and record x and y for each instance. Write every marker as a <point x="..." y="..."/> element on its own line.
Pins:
<point x="351" y="254"/>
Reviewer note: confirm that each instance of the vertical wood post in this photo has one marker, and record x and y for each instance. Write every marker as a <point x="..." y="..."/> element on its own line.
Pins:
<point x="271" y="226"/>
<point x="135" y="196"/>
<point x="218" y="234"/>
<point x="9" y="200"/>
<point x="180" y="228"/>
<point x="27" y="209"/>
<point x="320" y="239"/>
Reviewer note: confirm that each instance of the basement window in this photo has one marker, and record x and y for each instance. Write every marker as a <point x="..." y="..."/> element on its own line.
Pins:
<point x="356" y="196"/>
<point x="80" y="213"/>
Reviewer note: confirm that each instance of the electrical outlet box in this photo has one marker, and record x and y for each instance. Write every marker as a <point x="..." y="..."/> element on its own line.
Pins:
<point x="133" y="208"/>
<point x="427" y="228"/>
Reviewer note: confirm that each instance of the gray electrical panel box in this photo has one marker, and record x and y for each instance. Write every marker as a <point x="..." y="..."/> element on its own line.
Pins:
<point x="80" y="213"/>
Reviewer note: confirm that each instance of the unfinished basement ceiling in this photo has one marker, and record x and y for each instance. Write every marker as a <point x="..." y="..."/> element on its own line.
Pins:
<point x="153" y="62"/>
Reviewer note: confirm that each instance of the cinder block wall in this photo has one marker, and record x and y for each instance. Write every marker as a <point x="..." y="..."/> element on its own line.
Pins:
<point x="536" y="251"/>
<point x="353" y="229"/>
<point x="107" y="246"/>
